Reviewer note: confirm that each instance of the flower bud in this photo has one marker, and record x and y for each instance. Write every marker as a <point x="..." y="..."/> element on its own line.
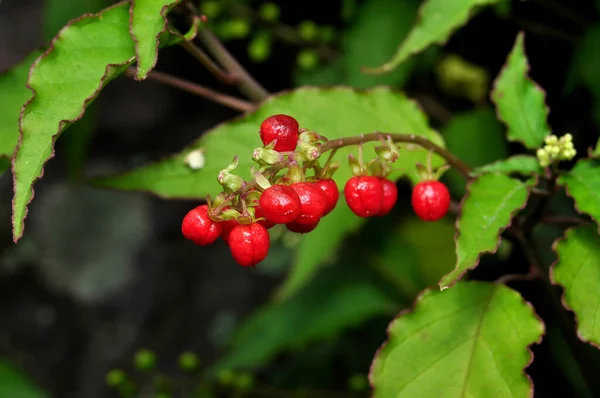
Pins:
<point x="266" y="156"/>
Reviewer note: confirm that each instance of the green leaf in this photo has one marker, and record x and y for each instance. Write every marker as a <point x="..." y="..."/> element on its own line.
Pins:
<point x="438" y="19"/>
<point x="334" y="112"/>
<point x="519" y="164"/>
<point x="15" y="384"/>
<point x="58" y="12"/>
<point x="13" y="93"/>
<point x="576" y="269"/>
<point x="520" y="102"/>
<point x="455" y="344"/>
<point x="582" y="184"/>
<point x="332" y="303"/>
<point x="477" y="138"/>
<point x="86" y="54"/>
<point x="383" y="22"/>
<point x="491" y="202"/>
<point x="148" y="22"/>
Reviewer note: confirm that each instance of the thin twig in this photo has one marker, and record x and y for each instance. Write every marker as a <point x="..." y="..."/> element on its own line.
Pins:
<point x="543" y="30"/>
<point x="201" y="91"/>
<point x="208" y="63"/>
<point x="563" y="220"/>
<point x="563" y="11"/>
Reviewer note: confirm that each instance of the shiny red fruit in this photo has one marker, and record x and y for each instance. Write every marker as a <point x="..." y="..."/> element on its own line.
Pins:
<point x="199" y="228"/>
<point x="331" y="191"/>
<point x="390" y="196"/>
<point x="280" y="204"/>
<point x="282" y="128"/>
<point x="301" y="228"/>
<point x="249" y="244"/>
<point x="258" y="213"/>
<point x="313" y="203"/>
<point x="430" y="200"/>
<point x="226" y="227"/>
<point x="364" y="195"/>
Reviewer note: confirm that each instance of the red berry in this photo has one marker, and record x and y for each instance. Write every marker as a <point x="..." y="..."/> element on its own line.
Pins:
<point x="249" y="244"/>
<point x="313" y="203"/>
<point x="258" y="213"/>
<point x="390" y="195"/>
<point x="282" y="128"/>
<point x="364" y="195"/>
<point x="301" y="228"/>
<point x="226" y="227"/>
<point x="331" y="191"/>
<point x="199" y="228"/>
<point x="280" y="204"/>
<point x="430" y="200"/>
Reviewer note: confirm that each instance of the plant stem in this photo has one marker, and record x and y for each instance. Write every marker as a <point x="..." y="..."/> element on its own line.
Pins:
<point x="247" y="84"/>
<point x="205" y="60"/>
<point x="565" y="220"/>
<point x="201" y="91"/>
<point x="335" y="144"/>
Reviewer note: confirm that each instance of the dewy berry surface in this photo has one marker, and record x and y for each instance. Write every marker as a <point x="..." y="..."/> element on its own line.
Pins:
<point x="390" y="196"/>
<point x="331" y="191"/>
<point x="313" y="203"/>
<point x="280" y="204"/>
<point x="249" y="244"/>
<point x="282" y="128"/>
<point x="199" y="228"/>
<point x="364" y="195"/>
<point x="226" y="227"/>
<point x="430" y="200"/>
<point x="258" y="213"/>
<point x="301" y="228"/>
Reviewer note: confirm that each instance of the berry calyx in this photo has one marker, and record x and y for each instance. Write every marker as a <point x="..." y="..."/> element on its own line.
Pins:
<point x="313" y="202"/>
<point x="199" y="228"/>
<point x="282" y="128"/>
<point x="301" y="228"/>
<point x="430" y="200"/>
<point x="331" y="191"/>
<point x="258" y="213"/>
<point x="249" y="244"/>
<point x="280" y="204"/>
<point x="390" y="196"/>
<point x="364" y="195"/>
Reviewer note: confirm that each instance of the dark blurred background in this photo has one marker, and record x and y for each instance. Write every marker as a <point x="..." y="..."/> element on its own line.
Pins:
<point x="100" y="274"/>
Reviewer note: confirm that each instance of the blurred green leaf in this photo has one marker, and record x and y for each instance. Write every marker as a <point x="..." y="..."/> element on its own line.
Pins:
<point x="577" y="271"/>
<point x="520" y="101"/>
<point x="373" y="38"/>
<point x="596" y="151"/>
<point x="518" y="164"/>
<point x="13" y="94"/>
<point x="491" y="202"/>
<point x="477" y="138"/>
<point x="416" y="255"/>
<point x="329" y="74"/>
<point x="15" y="384"/>
<point x="58" y="12"/>
<point x="582" y="183"/>
<point x="333" y="112"/>
<point x="583" y="70"/>
<point x="336" y="299"/>
<point x="438" y="19"/>
<point x="148" y="22"/>
<point x="425" y="357"/>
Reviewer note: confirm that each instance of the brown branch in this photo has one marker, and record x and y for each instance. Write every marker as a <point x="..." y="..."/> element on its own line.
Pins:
<point x="208" y="63"/>
<point x="563" y="220"/>
<point x="201" y="91"/>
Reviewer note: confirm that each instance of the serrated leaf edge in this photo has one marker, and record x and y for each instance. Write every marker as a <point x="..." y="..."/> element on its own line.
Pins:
<point x="531" y="173"/>
<point x="575" y="205"/>
<point x="563" y="301"/>
<point x="520" y="36"/>
<point x="500" y="231"/>
<point x="62" y="122"/>
<point x="163" y="13"/>
<point x="418" y="300"/>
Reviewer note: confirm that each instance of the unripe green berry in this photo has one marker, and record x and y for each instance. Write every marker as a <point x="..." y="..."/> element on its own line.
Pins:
<point x="188" y="361"/>
<point x="269" y="12"/>
<point x="308" y="30"/>
<point x="144" y="360"/>
<point x="244" y="382"/>
<point x="237" y="28"/>
<point x="211" y="9"/>
<point x="307" y="59"/>
<point x="226" y="377"/>
<point x="259" y="48"/>
<point x="115" y="377"/>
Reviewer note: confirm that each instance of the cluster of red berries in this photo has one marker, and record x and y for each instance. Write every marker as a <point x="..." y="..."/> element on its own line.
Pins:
<point x="301" y="205"/>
